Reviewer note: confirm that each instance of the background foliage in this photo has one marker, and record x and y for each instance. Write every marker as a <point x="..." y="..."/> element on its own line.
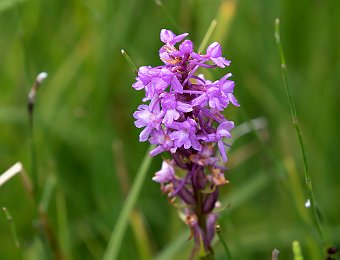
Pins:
<point x="87" y="146"/>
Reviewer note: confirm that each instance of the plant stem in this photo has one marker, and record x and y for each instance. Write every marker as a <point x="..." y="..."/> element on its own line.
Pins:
<point x="295" y="121"/>
<point x="47" y="233"/>
<point x="205" y="252"/>
<point x="34" y="172"/>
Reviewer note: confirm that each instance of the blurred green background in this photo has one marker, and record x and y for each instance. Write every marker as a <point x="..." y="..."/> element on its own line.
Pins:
<point x="87" y="147"/>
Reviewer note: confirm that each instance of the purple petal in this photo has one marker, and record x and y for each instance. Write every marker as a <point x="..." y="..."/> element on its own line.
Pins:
<point x="195" y="144"/>
<point x="144" y="135"/>
<point x="224" y="128"/>
<point x="176" y="85"/>
<point x="228" y="86"/>
<point x="165" y="174"/>
<point x="168" y="101"/>
<point x="142" y="115"/>
<point x="214" y="50"/>
<point x="165" y="57"/>
<point x="158" y="137"/>
<point x="233" y="100"/>
<point x="186" y="143"/>
<point x="167" y="35"/>
<point x="156" y="151"/>
<point x="170" y="116"/>
<point x="169" y="38"/>
<point x="143" y="74"/>
<point x="138" y="85"/>
<point x="199" y="100"/>
<point x="178" y="38"/>
<point x="180" y="138"/>
<point x="183" y="107"/>
<point x="222" y="150"/>
<point x="221" y="62"/>
<point x="186" y="47"/>
<point x="197" y="56"/>
<point x="159" y="85"/>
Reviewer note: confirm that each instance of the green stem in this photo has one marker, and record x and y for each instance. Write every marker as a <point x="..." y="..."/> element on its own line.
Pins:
<point x="34" y="172"/>
<point x="123" y="218"/>
<point x="202" y="223"/>
<point x="295" y="121"/>
<point x="224" y="244"/>
<point x="12" y="226"/>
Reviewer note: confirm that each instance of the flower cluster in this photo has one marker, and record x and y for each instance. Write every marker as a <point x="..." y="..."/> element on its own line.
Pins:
<point x="183" y="116"/>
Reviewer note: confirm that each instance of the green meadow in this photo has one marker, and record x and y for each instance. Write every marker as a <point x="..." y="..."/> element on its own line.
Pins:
<point x="81" y="151"/>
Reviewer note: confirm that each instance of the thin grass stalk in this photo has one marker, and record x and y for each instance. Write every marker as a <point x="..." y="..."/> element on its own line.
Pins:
<point x="30" y="108"/>
<point x="47" y="193"/>
<point x="207" y="35"/>
<point x="128" y="59"/>
<point x="63" y="225"/>
<point x="295" y="121"/>
<point x="12" y="227"/>
<point x="118" y="232"/>
<point x="169" y="15"/>
<point x="34" y="173"/>
<point x="224" y="244"/>
<point x="46" y="230"/>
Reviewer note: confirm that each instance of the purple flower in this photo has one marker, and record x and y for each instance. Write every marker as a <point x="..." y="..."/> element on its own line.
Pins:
<point x="169" y="38"/>
<point x="148" y="119"/>
<point x="184" y="135"/>
<point x="214" y="53"/>
<point x="172" y="108"/>
<point x="163" y="142"/>
<point x="165" y="174"/>
<point x="227" y="87"/>
<point x="183" y="117"/>
<point x="186" y="47"/>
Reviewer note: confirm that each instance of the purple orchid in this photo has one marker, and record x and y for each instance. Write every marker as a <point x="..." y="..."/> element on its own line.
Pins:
<point x="166" y="174"/>
<point x="184" y="118"/>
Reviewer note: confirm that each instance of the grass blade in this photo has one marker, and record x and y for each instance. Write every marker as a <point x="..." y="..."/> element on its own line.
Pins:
<point x="207" y="35"/>
<point x="12" y="226"/>
<point x="225" y="246"/>
<point x="295" y="121"/>
<point x="123" y="219"/>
